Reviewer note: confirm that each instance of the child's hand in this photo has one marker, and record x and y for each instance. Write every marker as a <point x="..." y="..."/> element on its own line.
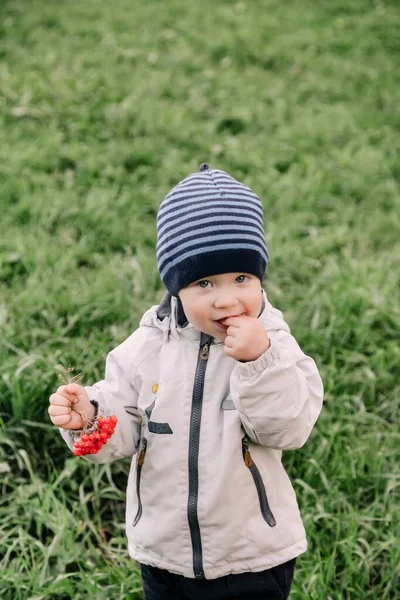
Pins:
<point x="61" y="403"/>
<point x="246" y="338"/>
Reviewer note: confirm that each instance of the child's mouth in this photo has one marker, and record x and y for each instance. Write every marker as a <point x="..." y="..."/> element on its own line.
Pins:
<point x="221" y="322"/>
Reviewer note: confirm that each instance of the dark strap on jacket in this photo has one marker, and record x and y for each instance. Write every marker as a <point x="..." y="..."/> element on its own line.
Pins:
<point x="164" y="310"/>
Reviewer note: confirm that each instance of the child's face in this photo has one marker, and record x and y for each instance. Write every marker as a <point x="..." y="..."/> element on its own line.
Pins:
<point x="209" y="301"/>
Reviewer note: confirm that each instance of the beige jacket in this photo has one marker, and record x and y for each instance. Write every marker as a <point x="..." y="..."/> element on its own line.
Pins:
<point x="207" y="493"/>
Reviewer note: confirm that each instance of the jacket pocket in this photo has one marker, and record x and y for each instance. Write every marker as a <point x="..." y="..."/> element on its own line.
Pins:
<point x="262" y="496"/>
<point x="139" y="466"/>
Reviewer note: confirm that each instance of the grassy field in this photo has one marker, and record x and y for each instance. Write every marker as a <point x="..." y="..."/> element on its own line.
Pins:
<point x="104" y="106"/>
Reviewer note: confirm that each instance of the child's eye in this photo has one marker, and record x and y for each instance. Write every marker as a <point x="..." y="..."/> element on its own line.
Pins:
<point x="203" y="284"/>
<point x="241" y="279"/>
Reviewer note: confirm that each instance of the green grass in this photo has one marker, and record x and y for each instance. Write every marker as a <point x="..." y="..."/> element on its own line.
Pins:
<point x="104" y="106"/>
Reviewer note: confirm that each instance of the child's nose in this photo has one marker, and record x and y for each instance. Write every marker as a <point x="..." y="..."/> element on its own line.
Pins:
<point x="225" y="299"/>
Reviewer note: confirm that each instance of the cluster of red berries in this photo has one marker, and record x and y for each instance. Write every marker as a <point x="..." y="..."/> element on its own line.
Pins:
<point x="90" y="443"/>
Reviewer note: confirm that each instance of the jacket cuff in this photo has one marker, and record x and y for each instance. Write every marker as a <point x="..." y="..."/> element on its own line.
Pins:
<point x="77" y="432"/>
<point x="254" y="367"/>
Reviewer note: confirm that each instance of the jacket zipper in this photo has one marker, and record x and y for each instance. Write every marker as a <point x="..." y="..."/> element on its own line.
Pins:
<point x="193" y="462"/>
<point x="140" y="462"/>
<point x="262" y="496"/>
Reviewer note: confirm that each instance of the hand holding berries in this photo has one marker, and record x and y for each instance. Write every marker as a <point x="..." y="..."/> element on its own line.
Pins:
<point x="70" y="407"/>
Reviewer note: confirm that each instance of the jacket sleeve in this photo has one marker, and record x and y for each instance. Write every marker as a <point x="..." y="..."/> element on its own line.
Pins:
<point x="115" y="395"/>
<point x="279" y="396"/>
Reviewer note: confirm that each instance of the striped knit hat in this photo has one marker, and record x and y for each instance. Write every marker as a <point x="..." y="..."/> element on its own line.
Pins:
<point x="207" y="225"/>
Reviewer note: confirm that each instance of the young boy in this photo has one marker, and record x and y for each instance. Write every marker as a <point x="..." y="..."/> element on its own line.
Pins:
<point x="208" y="391"/>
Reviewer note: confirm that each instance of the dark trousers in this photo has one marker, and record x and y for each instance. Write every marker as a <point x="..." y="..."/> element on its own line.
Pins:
<point x="272" y="584"/>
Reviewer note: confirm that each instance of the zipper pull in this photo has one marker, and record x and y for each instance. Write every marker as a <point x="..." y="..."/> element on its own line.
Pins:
<point x="142" y="452"/>
<point x="248" y="461"/>
<point x="205" y="351"/>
